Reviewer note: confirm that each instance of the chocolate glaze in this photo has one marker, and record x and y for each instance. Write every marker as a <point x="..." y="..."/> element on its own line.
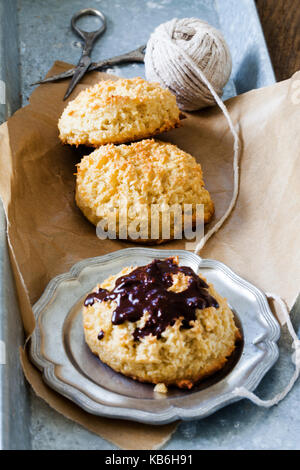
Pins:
<point x="101" y="335"/>
<point x="145" y="290"/>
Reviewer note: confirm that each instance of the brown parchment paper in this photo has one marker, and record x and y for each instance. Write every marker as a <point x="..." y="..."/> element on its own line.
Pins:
<point x="47" y="233"/>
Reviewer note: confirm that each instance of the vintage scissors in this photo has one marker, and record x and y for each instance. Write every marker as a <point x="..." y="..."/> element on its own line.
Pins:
<point x="85" y="63"/>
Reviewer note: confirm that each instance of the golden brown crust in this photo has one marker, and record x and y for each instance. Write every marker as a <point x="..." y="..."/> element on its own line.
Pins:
<point x="118" y="111"/>
<point x="140" y="176"/>
<point x="185" y="384"/>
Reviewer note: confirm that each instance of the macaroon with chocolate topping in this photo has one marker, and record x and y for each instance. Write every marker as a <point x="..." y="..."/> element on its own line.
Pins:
<point x="160" y="323"/>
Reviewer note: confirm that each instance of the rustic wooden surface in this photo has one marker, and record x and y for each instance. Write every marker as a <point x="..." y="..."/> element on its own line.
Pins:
<point x="280" y="20"/>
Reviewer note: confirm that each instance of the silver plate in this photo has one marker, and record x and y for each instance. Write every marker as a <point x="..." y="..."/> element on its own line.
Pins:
<point x="59" y="350"/>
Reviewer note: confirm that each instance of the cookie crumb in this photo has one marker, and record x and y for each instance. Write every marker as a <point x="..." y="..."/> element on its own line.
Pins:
<point x="160" y="388"/>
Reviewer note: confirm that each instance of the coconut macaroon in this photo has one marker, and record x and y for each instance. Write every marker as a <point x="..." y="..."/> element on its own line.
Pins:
<point x="160" y="323"/>
<point x="145" y="186"/>
<point x="118" y="111"/>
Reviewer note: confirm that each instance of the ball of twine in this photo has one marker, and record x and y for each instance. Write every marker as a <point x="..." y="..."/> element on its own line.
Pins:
<point x="182" y="55"/>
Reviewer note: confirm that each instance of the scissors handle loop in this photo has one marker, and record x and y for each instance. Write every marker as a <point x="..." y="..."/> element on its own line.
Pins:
<point x="87" y="36"/>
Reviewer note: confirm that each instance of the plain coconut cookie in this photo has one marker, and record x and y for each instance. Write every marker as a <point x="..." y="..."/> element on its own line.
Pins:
<point x="160" y="323"/>
<point x="132" y="181"/>
<point x="118" y="111"/>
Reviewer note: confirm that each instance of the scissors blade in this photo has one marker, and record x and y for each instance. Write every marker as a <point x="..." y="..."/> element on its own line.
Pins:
<point x="60" y="76"/>
<point x="80" y="70"/>
<point x="133" y="56"/>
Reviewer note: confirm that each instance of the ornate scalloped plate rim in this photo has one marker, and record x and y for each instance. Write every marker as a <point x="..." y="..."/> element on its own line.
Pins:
<point x="173" y="412"/>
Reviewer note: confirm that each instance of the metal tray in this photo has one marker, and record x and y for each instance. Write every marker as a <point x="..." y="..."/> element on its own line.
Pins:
<point x="58" y="346"/>
<point x="34" y="33"/>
